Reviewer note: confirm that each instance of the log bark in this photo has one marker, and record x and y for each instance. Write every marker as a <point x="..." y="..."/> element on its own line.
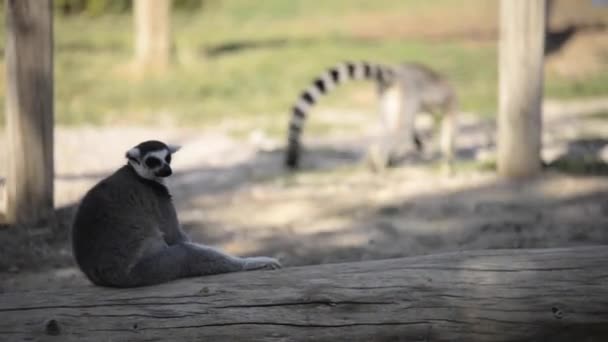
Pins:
<point x="493" y="295"/>
<point x="522" y="36"/>
<point x="29" y="110"/>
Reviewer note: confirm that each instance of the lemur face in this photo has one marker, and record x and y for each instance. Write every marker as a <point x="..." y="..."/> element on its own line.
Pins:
<point x="152" y="159"/>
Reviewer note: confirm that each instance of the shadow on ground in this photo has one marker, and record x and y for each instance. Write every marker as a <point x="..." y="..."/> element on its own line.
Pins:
<point x="534" y="214"/>
<point x="459" y="220"/>
<point x="333" y="210"/>
<point x="583" y="157"/>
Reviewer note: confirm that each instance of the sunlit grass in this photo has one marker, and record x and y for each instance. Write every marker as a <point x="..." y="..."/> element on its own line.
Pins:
<point x="249" y="60"/>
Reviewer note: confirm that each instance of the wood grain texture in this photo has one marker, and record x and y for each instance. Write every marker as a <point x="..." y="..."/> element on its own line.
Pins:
<point x="521" y="50"/>
<point x="494" y="295"/>
<point x="29" y="110"/>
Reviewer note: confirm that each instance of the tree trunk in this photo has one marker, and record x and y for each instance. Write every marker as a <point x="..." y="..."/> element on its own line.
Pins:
<point x="493" y="295"/>
<point x="152" y="34"/>
<point x="29" y="108"/>
<point x="522" y="25"/>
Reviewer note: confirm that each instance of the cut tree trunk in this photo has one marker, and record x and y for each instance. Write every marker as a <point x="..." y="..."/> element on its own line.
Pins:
<point x="494" y="295"/>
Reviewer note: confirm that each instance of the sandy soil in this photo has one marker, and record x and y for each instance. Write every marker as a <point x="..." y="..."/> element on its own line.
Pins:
<point x="235" y="195"/>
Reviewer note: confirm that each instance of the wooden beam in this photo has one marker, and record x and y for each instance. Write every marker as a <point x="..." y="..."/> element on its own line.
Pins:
<point x="29" y="108"/>
<point x="522" y="34"/>
<point x="492" y="295"/>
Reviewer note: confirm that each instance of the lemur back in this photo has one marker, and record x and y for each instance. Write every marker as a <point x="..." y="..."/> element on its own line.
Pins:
<point x="122" y="213"/>
<point x="126" y="232"/>
<point x="404" y="90"/>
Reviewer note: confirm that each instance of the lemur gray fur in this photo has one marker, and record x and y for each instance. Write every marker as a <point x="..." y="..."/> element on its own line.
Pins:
<point x="126" y="232"/>
<point x="404" y="91"/>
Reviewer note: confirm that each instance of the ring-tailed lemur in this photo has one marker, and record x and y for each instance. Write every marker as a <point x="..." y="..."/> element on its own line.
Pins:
<point x="404" y="91"/>
<point x="126" y="231"/>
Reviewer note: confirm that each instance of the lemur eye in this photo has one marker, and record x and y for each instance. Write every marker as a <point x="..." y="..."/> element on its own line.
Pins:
<point x="152" y="162"/>
<point x="168" y="159"/>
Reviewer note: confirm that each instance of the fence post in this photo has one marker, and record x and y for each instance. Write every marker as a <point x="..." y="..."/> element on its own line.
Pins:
<point x="29" y="110"/>
<point x="522" y="34"/>
<point x="152" y="34"/>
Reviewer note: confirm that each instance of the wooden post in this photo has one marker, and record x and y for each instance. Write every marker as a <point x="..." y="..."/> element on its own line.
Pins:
<point x="152" y="33"/>
<point x="522" y="26"/>
<point x="29" y="108"/>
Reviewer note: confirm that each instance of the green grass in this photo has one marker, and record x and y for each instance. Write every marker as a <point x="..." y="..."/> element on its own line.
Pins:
<point x="600" y="115"/>
<point x="589" y="165"/>
<point x="287" y="43"/>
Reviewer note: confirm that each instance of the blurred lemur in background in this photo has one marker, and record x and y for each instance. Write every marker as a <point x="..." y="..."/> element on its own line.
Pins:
<point x="126" y="232"/>
<point x="404" y="91"/>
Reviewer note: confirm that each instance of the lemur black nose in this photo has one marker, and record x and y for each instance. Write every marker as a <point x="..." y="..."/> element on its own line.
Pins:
<point x="164" y="171"/>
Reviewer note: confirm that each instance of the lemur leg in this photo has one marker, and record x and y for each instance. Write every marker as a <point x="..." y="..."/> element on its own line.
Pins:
<point x="449" y="126"/>
<point x="405" y="139"/>
<point x="390" y="103"/>
<point x="189" y="260"/>
<point x="398" y="110"/>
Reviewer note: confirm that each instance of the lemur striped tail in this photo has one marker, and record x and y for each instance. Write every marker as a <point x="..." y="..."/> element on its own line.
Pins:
<point x="322" y="85"/>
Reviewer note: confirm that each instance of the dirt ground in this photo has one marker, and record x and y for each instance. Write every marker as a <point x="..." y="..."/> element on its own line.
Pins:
<point x="235" y="194"/>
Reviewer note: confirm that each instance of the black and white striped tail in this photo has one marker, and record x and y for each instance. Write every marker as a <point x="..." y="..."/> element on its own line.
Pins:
<point x="322" y="85"/>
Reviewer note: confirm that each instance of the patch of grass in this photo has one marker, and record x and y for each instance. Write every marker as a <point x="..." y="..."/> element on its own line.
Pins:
<point x="580" y="166"/>
<point x="600" y="115"/>
<point x="248" y="61"/>
<point x="468" y="166"/>
<point x="593" y="85"/>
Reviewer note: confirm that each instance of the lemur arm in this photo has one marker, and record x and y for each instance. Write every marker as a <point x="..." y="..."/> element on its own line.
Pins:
<point x="172" y="232"/>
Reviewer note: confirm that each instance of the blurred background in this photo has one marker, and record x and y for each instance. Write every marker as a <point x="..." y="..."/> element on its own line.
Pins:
<point x="234" y="59"/>
<point x="234" y="69"/>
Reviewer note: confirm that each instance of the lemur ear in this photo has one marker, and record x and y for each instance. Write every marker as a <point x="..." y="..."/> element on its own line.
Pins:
<point x="173" y="148"/>
<point x="133" y="153"/>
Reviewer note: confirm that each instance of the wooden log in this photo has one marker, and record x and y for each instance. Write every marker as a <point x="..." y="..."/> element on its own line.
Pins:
<point x="29" y="109"/>
<point x="493" y="295"/>
<point x="521" y="50"/>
